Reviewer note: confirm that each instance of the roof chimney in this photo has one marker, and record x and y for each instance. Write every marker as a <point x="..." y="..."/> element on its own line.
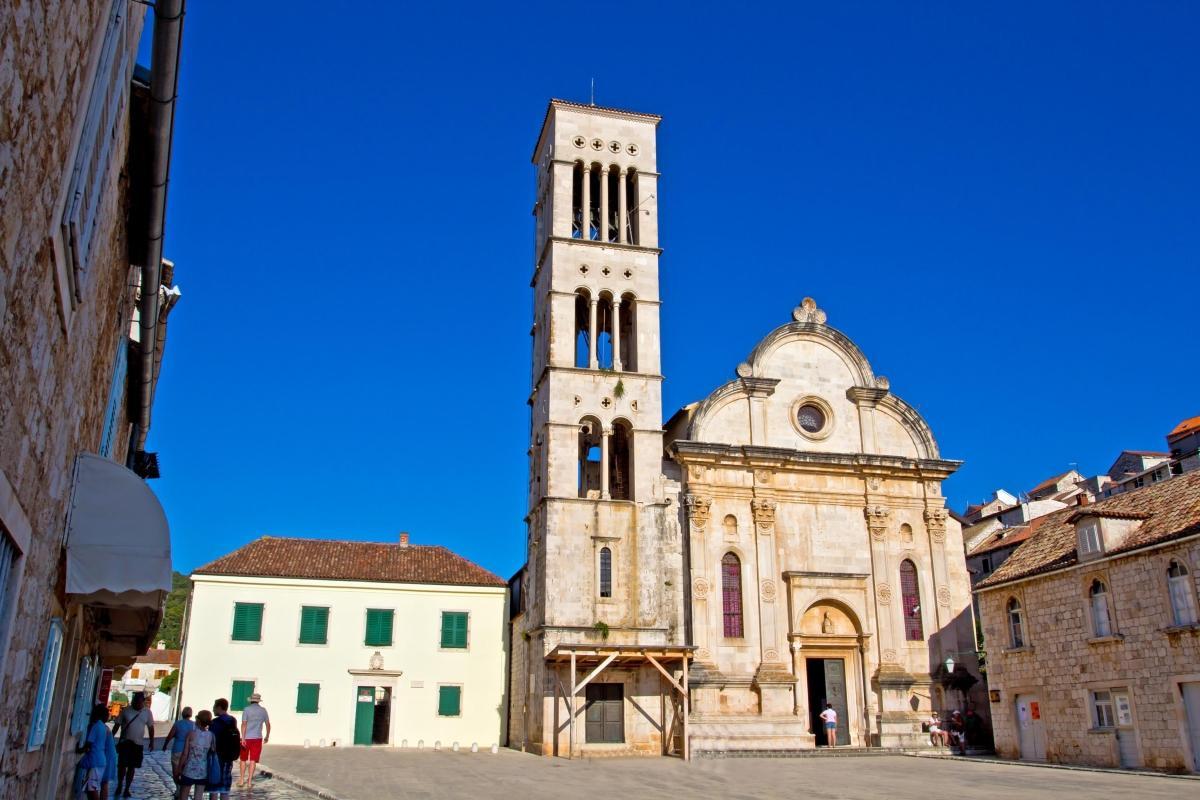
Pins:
<point x="1082" y="499"/>
<point x="404" y="538"/>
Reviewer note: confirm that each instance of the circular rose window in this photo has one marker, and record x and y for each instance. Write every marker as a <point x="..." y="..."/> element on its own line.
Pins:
<point x="811" y="418"/>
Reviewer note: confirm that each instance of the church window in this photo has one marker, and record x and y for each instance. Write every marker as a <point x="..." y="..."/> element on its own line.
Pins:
<point x="906" y="534"/>
<point x="583" y="328"/>
<point x="632" y="202"/>
<point x="1016" y="623"/>
<point x="1100" y="610"/>
<point x="811" y="418"/>
<point x="604" y="332"/>
<point x="605" y="572"/>
<point x="731" y="595"/>
<point x="589" y="457"/>
<point x="1183" y="595"/>
<point x="627" y="330"/>
<point x="910" y="594"/>
<point x="620" y="468"/>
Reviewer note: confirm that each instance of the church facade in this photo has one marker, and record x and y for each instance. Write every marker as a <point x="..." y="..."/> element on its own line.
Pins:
<point x="711" y="583"/>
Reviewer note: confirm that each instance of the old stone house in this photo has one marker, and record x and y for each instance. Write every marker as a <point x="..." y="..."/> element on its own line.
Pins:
<point x="713" y="582"/>
<point x="84" y="295"/>
<point x="1092" y="634"/>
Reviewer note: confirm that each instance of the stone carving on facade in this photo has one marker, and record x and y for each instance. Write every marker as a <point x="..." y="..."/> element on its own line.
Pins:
<point x="877" y="520"/>
<point x="932" y="488"/>
<point x="698" y="506"/>
<point x="764" y="514"/>
<point x="807" y="311"/>
<point x="376" y="661"/>
<point x="696" y="472"/>
<point x="700" y="588"/>
<point x="943" y="596"/>
<point x="703" y="654"/>
<point x="768" y="591"/>
<point x="826" y="624"/>
<point x="873" y="484"/>
<point x="762" y="476"/>
<point x="935" y="520"/>
<point x="889" y="657"/>
<point x="770" y="656"/>
<point x="884" y="593"/>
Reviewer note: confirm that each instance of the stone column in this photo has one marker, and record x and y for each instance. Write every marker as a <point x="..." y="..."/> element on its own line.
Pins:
<point x="604" y="203"/>
<point x="604" y="437"/>
<point x="706" y="696"/>
<point x="592" y="313"/>
<point x="587" y="201"/>
<point x="622" y="214"/>
<point x="775" y="680"/>
<point x="935" y="523"/>
<point x="616" y="333"/>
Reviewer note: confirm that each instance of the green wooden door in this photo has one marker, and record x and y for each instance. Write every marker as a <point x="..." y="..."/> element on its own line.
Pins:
<point x="364" y="714"/>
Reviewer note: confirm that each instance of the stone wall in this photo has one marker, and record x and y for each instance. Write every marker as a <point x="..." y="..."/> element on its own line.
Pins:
<point x="1063" y="664"/>
<point x="57" y="367"/>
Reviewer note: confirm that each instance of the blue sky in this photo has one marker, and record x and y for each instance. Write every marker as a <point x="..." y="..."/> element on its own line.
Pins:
<point x="997" y="203"/>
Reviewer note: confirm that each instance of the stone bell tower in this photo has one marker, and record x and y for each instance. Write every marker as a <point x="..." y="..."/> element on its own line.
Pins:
<point x="604" y="557"/>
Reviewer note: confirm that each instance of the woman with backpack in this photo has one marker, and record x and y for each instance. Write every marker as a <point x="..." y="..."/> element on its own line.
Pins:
<point x="227" y="745"/>
<point x="191" y="770"/>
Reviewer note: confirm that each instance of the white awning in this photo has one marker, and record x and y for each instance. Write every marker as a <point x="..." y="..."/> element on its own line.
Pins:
<point x="118" y="542"/>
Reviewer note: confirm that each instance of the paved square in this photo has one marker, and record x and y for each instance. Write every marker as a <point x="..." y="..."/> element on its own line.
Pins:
<point x="381" y="774"/>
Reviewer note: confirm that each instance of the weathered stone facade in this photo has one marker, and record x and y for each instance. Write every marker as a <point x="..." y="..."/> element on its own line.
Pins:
<point x="59" y="348"/>
<point x="630" y="543"/>
<point x="1045" y="676"/>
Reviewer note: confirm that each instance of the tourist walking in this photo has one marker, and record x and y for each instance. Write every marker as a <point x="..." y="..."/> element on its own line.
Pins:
<point x="829" y="718"/>
<point x="191" y="770"/>
<point x="133" y="723"/>
<point x="254" y="719"/>
<point x="227" y="744"/>
<point x="94" y="764"/>
<point x="177" y="736"/>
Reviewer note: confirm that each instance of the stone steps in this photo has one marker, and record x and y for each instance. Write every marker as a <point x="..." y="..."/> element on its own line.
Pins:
<point x="826" y="752"/>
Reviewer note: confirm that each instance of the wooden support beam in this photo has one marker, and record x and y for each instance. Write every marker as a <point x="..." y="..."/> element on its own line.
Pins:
<point x="596" y="671"/>
<point x="665" y="674"/>
<point x="687" y="744"/>
<point x="571" y="733"/>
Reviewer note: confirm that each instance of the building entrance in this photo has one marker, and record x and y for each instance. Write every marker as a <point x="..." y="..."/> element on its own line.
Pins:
<point x="372" y="714"/>
<point x="827" y="684"/>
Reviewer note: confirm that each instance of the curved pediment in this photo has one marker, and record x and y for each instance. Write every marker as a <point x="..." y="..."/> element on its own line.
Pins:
<point x="808" y="386"/>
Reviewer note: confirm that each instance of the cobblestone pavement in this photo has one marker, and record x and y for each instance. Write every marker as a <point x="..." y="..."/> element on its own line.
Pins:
<point x="153" y="782"/>
<point x="360" y="773"/>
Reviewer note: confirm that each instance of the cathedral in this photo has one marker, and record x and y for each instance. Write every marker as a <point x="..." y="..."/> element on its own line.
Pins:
<point x="714" y="582"/>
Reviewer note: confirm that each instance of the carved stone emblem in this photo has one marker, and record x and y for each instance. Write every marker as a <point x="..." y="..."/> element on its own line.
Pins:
<point x="807" y="311"/>
<point x="770" y="655"/>
<point x="826" y="624"/>
<point x="698" y="506"/>
<point x="943" y="596"/>
<point x="873" y="484"/>
<point x="877" y="520"/>
<point x="889" y="656"/>
<point x="932" y="488"/>
<point x="744" y="370"/>
<point x="700" y="588"/>
<point x="935" y="520"/>
<point x="762" y="476"/>
<point x="764" y="513"/>
<point x="768" y="591"/>
<point x="703" y="654"/>
<point x="376" y="661"/>
<point x="884" y="593"/>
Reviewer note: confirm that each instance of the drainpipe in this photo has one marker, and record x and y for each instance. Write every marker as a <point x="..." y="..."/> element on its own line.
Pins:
<point x="164" y="83"/>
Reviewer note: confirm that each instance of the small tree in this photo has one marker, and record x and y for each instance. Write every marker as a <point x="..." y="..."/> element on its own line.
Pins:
<point x="168" y="683"/>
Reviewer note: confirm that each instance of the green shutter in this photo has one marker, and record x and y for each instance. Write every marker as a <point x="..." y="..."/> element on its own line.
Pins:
<point x="449" y="701"/>
<point x="314" y="625"/>
<point x="454" y="629"/>
<point x="308" y="698"/>
<point x="247" y="622"/>
<point x="239" y="695"/>
<point x="379" y="627"/>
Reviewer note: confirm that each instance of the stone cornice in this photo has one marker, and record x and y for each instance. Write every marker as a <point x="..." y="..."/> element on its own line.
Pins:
<point x="687" y="452"/>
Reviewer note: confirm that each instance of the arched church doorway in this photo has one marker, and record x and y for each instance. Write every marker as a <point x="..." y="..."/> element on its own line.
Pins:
<point x="831" y="649"/>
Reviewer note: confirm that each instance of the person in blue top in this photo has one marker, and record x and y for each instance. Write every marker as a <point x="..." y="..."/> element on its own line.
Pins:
<point x="177" y="737"/>
<point x="110" y="775"/>
<point x="94" y="764"/>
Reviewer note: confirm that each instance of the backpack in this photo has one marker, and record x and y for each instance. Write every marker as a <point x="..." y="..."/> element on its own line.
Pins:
<point x="229" y="743"/>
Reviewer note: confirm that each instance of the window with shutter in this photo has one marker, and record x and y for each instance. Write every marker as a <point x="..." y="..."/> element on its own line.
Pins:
<point x="85" y="690"/>
<point x="239" y="695"/>
<point x="247" y="622"/>
<point x="449" y="701"/>
<point x="45" y="690"/>
<point x="454" y="630"/>
<point x="379" y="627"/>
<point x="116" y="399"/>
<point x="314" y="625"/>
<point x="308" y="698"/>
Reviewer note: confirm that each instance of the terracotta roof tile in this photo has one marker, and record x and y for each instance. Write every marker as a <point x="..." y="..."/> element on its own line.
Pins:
<point x="1050" y="481"/>
<point x="1171" y="509"/>
<point x="1007" y="537"/>
<point x="170" y="657"/>
<point x="325" y="559"/>
<point x="1184" y="428"/>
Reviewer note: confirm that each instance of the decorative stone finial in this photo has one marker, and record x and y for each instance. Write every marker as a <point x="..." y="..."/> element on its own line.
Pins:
<point x="882" y="382"/>
<point x="807" y="311"/>
<point x="744" y="370"/>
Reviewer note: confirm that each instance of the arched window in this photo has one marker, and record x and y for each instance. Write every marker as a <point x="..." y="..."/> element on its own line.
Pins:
<point x="620" y="461"/>
<point x="1183" y="593"/>
<point x="604" y="332"/>
<point x="731" y="595"/>
<point x="589" y="456"/>
<point x="628" y="333"/>
<point x="632" y="211"/>
<point x="605" y="572"/>
<point x="1101" y="614"/>
<point x="583" y="329"/>
<point x="1016" y="623"/>
<point x="910" y="595"/>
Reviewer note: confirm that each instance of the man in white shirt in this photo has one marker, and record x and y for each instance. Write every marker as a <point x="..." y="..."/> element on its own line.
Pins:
<point x="254" y="719"/>
<point x="133" y="724"/>
<point x="829" y="720"/>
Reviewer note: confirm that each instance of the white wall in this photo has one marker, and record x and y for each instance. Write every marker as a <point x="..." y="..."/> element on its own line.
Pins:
<point x="278" y="663"/>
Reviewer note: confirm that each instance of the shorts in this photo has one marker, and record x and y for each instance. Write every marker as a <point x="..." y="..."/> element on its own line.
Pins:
<point x="830" y="726"/>
<point x="92" y="779"/>
<point x="129" y="754"/>
<point x="251" y="750"/>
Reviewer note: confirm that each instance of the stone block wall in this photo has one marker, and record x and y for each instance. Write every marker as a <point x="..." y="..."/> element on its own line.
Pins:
<point x="1063" y="663"/>
<point x="57" y="367"/>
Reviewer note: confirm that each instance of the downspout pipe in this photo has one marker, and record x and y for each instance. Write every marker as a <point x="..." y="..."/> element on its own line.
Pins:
<point x="164" y="85"/>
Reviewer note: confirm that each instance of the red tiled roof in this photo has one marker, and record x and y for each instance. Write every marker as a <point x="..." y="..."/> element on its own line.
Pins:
<point x="170" y="657"/>
<point x="1007" y="537"/>
<point x="1171" y="509"/>
<point x="1050" y="481"/>
<point x="586" y="107"/>
<point x="1184" y="428"/>
<point x="325" y="559"/>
